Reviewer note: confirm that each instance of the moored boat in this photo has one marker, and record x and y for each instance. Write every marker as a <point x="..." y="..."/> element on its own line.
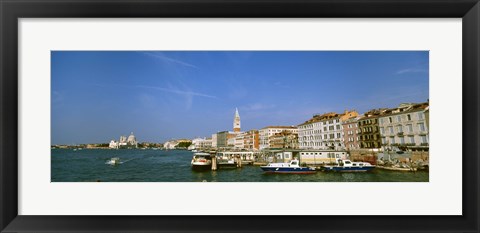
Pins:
<point x="292" y="167"/>
<point x="226" y="163"/>
<point x="400" y="169"/>
<point x="349" y="166"/>
<point x="201" y="161"/>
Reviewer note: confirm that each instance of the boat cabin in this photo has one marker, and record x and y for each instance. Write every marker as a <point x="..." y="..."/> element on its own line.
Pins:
<point x="348" y="163"/>
<point x="292" y="163"/>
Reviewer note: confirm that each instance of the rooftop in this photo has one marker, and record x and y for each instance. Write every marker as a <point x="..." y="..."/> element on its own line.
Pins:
<point x="280" y="127"/>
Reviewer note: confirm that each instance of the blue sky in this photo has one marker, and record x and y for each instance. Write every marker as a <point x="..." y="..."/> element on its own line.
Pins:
<point x="97" y="96"/>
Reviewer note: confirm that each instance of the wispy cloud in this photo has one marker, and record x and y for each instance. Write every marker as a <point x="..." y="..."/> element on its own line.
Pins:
<point x="169" y="59"/>
<point x="177" y="91"/>
<point x="412" y="70"/>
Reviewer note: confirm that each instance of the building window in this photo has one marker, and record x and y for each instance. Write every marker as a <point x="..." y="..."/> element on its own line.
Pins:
<point x="392" y="140"/>
<point x="423" y="138"/>
<point x="399" y="119"/>
<point x="420" y="115"/>
<point x="411" y="139"/>
<point x="410" y="128"/>
<point x="338" y="135"/>
<point x="390" y="129"/>
<point x="382" y="130"/>
<point x="338" y="127"/>
<point x="390" y="119"/>
<point x="400" y="129"/>
<point x="402" y="140"/>
<point x="409" y="117"/>
<point x="421" y="127"/>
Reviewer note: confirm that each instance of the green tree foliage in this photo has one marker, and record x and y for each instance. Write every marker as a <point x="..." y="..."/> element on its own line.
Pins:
<point x="184" y="144"/>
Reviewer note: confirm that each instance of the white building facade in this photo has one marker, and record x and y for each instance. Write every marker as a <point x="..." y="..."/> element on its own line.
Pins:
<point x="265" y="133"/>
<point x="324" y="131"/>
<point x="405" y="126"/>
<point x="214" y="140"/>
<point x="239" y="141"/>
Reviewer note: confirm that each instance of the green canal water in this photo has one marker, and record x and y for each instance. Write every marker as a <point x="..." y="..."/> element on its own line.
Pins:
<point x="174" y="166"/>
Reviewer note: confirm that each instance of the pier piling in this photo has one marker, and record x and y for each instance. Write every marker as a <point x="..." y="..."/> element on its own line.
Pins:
<point x="214" y="163"/>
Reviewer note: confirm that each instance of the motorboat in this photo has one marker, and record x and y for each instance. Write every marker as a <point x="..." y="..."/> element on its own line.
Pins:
<point x="291" y="167"/>
<point x="226" y="163"/>
<point x="201" y="161"/>
<point x="349" y="166"/>
<point x="114" y="161"/>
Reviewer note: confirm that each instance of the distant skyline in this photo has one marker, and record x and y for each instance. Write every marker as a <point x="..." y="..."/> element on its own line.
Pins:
<point x="97" y="96"/>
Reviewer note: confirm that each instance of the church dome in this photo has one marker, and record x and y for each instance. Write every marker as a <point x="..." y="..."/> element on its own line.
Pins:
<point x="131" y="138"/>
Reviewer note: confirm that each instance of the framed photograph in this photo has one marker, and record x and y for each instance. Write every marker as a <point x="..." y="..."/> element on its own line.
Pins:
<point x="248" y="116"/>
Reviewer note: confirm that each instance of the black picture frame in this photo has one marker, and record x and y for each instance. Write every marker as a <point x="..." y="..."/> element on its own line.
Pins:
<point x="11" y="11"/>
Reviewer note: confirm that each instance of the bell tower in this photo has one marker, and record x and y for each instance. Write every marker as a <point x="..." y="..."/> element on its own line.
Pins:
<point x="236" y="121"/>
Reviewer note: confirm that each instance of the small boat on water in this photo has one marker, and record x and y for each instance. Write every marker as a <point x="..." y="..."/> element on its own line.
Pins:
<point x="227" y="163"/>
<point x="292" y="167"/>
<point x="114" y="161"/>
<point x="349" y="166"/>
<point x="201" y="161"/>
<point x="399" y="169"/>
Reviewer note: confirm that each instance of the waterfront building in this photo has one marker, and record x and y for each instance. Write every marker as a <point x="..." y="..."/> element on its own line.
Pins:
<point x="214" y="140"/>
<point x="200" y="143"/>
<point x="132" y="141"/>
<point x="265" y="133"/>
<point x="124" y="142"/>
<point x="224" y="137"/>
<point x="350" y="133"/>
<point x="324" y="131"/>
<point x="206" y="143"/>
<point x="113" y="144"/>
<point x="239" y="141"/>
<point x="251" y="140"/>
<point x="368" y="129"/>
<point x="236" y="122"/>
<point x="285" y="139"/>
<point x="405" y="126"/>
<point x="196" y="142"/>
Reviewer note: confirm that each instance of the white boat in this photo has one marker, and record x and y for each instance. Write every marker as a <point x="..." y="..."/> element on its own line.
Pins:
<point x="226" y="163"/>
<point x="349" y="166"/>
<point x="292" y="167"/>
<point x="114" y="161"/>
<point x="401" y="169"/>
<point x="201" y="161"/>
